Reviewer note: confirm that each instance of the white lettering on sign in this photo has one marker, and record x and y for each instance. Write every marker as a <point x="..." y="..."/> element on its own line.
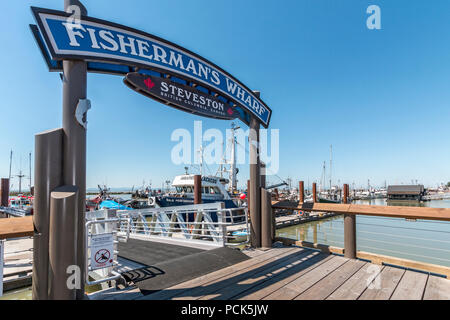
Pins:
<point x="102" y="251"/>
<point x="97" y="40"/>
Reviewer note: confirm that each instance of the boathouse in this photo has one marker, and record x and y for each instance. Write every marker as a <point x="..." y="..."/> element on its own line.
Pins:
<point x="406" y="192"/>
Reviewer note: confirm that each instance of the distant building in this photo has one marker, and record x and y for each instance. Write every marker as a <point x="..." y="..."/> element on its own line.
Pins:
<point x="406" y="192"/>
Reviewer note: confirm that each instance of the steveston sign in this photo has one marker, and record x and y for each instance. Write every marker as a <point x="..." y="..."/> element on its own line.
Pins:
<point x="180" y="96"/>
<point x="97" y="40"/>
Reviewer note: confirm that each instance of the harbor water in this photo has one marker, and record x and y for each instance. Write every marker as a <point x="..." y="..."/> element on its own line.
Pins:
<point x="419" y="240"/>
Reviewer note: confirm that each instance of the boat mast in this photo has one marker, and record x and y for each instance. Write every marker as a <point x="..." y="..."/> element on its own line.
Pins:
<point x="10" y="162"/>
<point x="331" y="157"/>
<point x="30" y="173"/>
<point x="20" y="176"/>
<point x="233" y="158"/>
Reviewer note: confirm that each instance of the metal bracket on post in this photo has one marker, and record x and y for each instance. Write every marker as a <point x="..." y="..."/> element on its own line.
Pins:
<point x="81" y="112"/>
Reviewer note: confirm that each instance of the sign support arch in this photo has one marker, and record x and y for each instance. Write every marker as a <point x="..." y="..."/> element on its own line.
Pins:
<point x="78" y="44"/>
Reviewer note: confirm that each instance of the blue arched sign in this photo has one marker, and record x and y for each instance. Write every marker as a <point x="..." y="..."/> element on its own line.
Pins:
<point x="116" y="49"/>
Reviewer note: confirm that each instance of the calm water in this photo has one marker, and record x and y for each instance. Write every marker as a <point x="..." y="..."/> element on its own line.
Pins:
<point x="421" y="240"/>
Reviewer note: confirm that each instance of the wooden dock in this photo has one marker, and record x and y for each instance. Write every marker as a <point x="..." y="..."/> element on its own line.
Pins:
<point x="294" y="273"/>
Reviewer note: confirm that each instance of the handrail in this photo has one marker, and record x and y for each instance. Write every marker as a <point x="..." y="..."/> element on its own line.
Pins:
<point x="350" y="211"/>
<point x="426" y="213"/>
<point x="16" y="227"/>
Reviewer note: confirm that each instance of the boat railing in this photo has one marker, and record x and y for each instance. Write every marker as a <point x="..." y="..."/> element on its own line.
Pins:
<point x="397" y="239"/>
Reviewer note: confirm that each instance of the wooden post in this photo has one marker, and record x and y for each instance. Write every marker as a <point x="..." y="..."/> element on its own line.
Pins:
<point x="314" y="192"/>
<point x="349" y="230"/>
<point x="197" y="189"/>
<point x="197" y="194"/>
<point x="301" y="192"/>
<point x="4" y="190"/>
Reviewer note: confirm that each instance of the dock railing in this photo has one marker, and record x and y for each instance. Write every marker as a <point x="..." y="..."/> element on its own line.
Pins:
<point x="351" y="211"/>
<point x="13" y="229"/>
<point x="208" y="223"/>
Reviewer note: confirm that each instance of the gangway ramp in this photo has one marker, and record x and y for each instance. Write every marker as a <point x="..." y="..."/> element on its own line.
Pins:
<point x="165" y="265"/>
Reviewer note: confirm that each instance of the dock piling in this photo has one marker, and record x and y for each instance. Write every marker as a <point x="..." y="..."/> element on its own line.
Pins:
<point x="301" y="192"/>
<point x="349" y="230"/>
<point x="4" y="190"/>
<point x="63" y="244"/>
<point x="314" y="192"/>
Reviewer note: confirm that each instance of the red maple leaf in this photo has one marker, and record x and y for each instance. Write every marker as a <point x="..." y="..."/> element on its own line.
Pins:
<point x="149" y="83"/>
<point x="230" y="111"/>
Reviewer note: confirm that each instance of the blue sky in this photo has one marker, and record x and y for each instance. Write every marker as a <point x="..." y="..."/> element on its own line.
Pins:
<point x="380" y="97"/>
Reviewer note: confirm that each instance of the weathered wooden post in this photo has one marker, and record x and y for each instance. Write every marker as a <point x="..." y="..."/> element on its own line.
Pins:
<point x="197" y="189"/>
<point x="4" y="189"/>
<point x="301" y="192"/>
<point x="349" y="230"/>
<point x="314" y="192"/>
<point x="248" y="197"/>
<point x="197" y="200"/>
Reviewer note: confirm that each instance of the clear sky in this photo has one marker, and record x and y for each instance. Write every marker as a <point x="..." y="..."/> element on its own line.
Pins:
<point x="380" y="97"/>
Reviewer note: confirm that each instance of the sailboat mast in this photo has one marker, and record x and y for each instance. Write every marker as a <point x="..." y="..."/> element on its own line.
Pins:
<point x="10" y="163"/>
<point x="30" y="173"/>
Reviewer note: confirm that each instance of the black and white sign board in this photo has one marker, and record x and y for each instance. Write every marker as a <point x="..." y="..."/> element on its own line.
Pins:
<point x="102" y="251"/>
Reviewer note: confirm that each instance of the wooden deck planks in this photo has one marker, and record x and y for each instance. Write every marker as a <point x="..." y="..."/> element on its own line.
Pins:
<point x="304" y="282"/>
<point x="411" y="287"/>
<point x="322" y="289"/>
<point x="264" y="289"/>
<point x="383" y="285"/>
<point x="243" y="276"/>
<point x="303" y="274"/>
<point x="437" y="289"/>
<point x="357" y="283"/>
<point x="260" y="277"/>
<point x="188" y="285"/>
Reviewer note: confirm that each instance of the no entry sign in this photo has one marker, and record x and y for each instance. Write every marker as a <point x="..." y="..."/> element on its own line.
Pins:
<point x="107" y="43"/>
<point x="102" y="251"/>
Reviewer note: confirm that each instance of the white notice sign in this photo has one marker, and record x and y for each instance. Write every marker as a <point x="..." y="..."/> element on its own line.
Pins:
<point x="102" y="250"/>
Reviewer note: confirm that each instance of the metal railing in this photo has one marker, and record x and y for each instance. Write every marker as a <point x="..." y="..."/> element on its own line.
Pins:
<point x="14" y="212"/>
<point x="349" y="249"/>
<point x="4" y="254"/>
<point x="209" y="223"/>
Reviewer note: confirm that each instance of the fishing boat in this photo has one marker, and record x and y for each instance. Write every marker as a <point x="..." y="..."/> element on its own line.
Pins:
<point x="213" y="190"/>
